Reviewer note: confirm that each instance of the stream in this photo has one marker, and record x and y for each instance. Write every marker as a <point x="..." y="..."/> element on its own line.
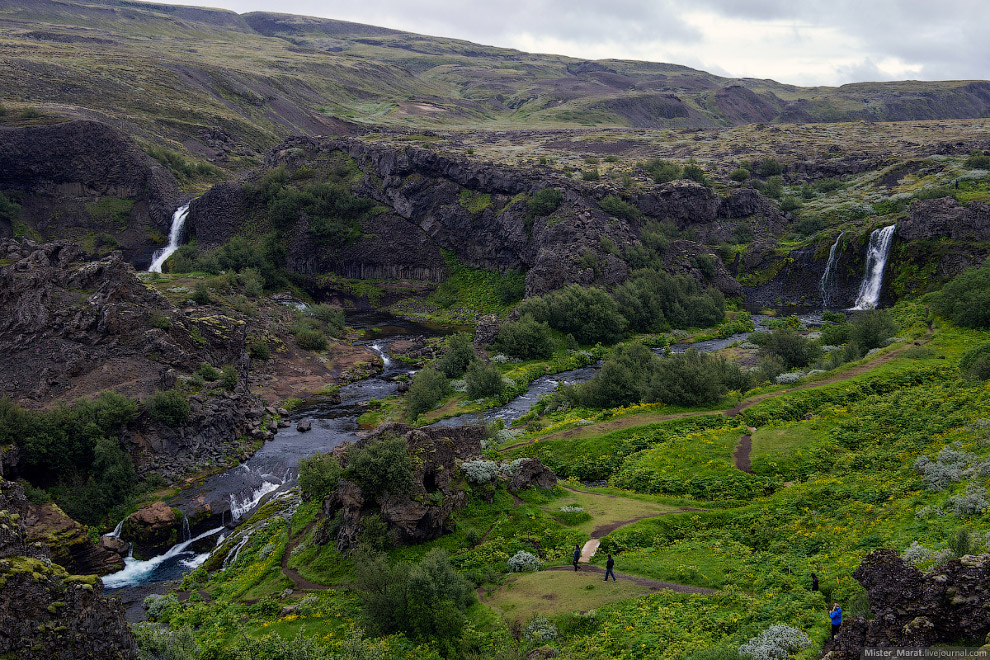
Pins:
<point x="238" y="491"/>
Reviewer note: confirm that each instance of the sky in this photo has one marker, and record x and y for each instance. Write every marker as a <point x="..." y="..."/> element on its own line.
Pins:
<point x="800" y="42"/>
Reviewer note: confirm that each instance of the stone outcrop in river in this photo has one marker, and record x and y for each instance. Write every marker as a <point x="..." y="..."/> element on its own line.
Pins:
<point x="46" y="613"/>
<point x="945" y="605"/>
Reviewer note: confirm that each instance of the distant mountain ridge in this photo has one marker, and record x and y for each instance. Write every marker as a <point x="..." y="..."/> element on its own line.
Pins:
<point x="216" y="81"/>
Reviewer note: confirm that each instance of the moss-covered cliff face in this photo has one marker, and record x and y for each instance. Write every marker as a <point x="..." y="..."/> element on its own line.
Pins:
<point x="45" y="613"/>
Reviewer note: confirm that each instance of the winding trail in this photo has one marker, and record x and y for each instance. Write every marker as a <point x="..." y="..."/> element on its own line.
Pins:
<point x="299" y="583"/>
<point x="741" y="455"/>
<point x="652" y="585"/>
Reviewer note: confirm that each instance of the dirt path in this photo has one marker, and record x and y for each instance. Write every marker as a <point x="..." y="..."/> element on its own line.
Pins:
<point x="299" y="582"/>
<point x="641" y="420"/>
<point x="741" y="455"/>
<point x="652" y="585"/>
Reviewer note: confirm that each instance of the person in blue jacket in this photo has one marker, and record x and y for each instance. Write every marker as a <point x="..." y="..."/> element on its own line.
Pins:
<point x="608" y="568"/>
<point x="577" y="555"/>
<point x="836" y="615"/>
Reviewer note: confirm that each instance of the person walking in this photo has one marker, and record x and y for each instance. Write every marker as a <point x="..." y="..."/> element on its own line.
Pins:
<point x="814" y="582"/>
<point x="577" y="555"/>
<point x="835" y="614"/>
<point x="608" y="568"/>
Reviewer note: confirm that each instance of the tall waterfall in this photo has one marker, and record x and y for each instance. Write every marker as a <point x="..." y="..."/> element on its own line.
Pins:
<point x="876" y="259"/>
<point x="174" y="239"/>
<point x="825" y="284"/>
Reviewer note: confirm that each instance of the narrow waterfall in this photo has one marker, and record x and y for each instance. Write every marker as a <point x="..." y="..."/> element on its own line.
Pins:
<point x="117" y="530"/>
<point x="876" y="259"/>
<point x="825" y="285"/>
<point x="174" y="239"/>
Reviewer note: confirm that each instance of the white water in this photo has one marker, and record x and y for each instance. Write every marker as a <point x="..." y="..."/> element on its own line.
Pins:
<point x="116" y="530"/>
<point x="876" y="259"/>
<point x="136" y="570"/>
<point x="174" y="238"/>
<point x="826" y="282"/>
<point x="240" y="506"/>
<point x="381" y="349"/>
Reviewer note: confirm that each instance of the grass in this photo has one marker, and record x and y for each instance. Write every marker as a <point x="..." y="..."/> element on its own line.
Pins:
<point x="606" y="509"/>
<point x="551" y="593"/>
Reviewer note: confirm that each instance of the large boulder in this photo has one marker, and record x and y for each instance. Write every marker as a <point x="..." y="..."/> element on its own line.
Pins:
<point x="152" y="529"/>
<point x="532" y="472"/>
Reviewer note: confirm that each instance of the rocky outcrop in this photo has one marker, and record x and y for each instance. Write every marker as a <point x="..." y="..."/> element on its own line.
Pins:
<point x="152" y="529"/>
<point x="85" y="178"/>
<point x="914" y="609"/>
<point x="945" y="217"/>
<point x="70" y="328"/>
<point x="532" y="472"/>
<point x="68" y="544"/>
<point x="422" y="513"/>
<point x="46" y="613"/>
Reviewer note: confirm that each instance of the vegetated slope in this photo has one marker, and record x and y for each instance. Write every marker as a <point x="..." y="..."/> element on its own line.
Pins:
<point x="225" y="85"/>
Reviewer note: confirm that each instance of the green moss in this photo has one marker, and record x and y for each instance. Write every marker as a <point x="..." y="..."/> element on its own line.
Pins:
<point x="475" y="202"/>
<point x="111" y="211"/>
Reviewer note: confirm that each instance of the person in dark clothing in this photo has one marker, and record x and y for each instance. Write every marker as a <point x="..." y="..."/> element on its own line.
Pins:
<point x="814" y="582"/>
<point x="608" y="568"/>
<point x="836" y="615"/>
<point x="577" y="555"/>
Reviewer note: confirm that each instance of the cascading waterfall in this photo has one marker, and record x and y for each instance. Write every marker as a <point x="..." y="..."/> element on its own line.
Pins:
<point x="186" y="532"/>
<point x="174" y="239"/>
<point x="876" y="259"/>
<point x="117" y="530"/>
<point x="825" y="285"/>
<point x="380" y="348"/>
<point x="136" y="571"/>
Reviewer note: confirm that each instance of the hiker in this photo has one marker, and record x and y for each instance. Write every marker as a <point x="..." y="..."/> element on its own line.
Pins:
<point x="577" y="555"/>
<point x="836" y="615"/>
<point x="608" y="568"/>
<point x="814" y="582"/>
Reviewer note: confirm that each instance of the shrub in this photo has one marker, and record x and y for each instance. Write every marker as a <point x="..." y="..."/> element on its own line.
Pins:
<point x="620" y="208"/>
<point x="808" y="225"/>
<point x="169" y="407"/>
<point x="311" y="340"/>
<point x="331" y="317"/>
<point x="775" y="643"/>
<point x="9" y="211"/>
<point x="872" y="329"/>
<point x="695" y="379"/>
<point x="770" y="167"/>
<point x="793" y="349"/>
<point x="483" y="380"/>
<point x="253" y="282"/>
<point x="739" y="174"/>
<point x="228" y="377"/>
<point x="525" y="339"/>
<point x="161" y="322"/>
<point x="155" y="642"/>
<point x="975" y="363"/>
<point x="427" y="389"/>
<point x="458" y="352"/>
<point x="380" y="467"/>
<point x="544" y="202"/>
<point x="156" y="605"/>
<point x="966" y="299"/>
<point x="200" y="294"/>
<point x="591" y="315"/>
<point x="695" y="173"/>
<point x="834" y="334"/>
<point x="662" y="170"/>
<point x="524" y="562"/>
<point x="480" y="472"/>
<point x="208" y="372"/>
<point x="539" y="629"/>
<point x="259" y="350"/>
<point x="971" y="503"/>
<point x="977" y="160"/>
<point x="590" y="175"/>
<point x="511" y="288"/>
<point x="318" y="476"/>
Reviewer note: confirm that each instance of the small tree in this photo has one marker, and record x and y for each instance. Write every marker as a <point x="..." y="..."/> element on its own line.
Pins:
<point x="427" y="389"/>
<point x="381" y="467"/>
<point x="458" y="351"/>
<point x="872" y="329"/>
<point x="318" y="476"/>
<point x="169" y="407"/>
<point x="483" y="380"/>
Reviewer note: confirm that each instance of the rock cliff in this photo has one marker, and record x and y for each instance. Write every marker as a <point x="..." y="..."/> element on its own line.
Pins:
<point x="45" y="613"/>
<point x="86" y="181"/>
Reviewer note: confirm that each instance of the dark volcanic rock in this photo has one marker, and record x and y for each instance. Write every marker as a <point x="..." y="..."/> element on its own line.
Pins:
<point x="45" y="613"/>
<point x="152" y="529"/>
<point x="944" y="217"/>
<point x="531" y="472"/>
<point x="62" y="171"/>
<point x="915" y="609"/>
<point x="68" y="544"/>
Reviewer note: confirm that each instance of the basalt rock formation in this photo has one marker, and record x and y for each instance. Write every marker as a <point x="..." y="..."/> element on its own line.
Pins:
<point x="46" y="613"/>
<point x="70" y="328"/>
<point x="68" y="544"/>
<point x="152" y="529"/>
<point x="424" y="512"/>
<point x="945" y="605"/>
<point x="86" y="180"/>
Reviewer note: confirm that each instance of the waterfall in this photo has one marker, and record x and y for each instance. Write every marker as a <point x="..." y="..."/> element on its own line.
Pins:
<point x="136" y="571"/>
<point x="826" y="282"/>
<point x="381" y="349"/>
<point x="174" y="239"/>
<point x="186" y="532"/>
<point x="876" y="259"/>
<point x="116" y="530"/>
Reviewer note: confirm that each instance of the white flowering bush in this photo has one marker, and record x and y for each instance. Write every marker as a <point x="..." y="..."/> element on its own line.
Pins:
<point x="789" y="378"/>
<point x="504" y="435"/>
<point x="748" y="345"/>
<point x="156" y="605"/>
<point x="523" y="562"/>
<point x="949" y="466"/>
<point x="918" y="554"/>
<point x="459" y="385"/>
<point x="829" y="348"/>
<point x="539" y="629"/>
<point x="572" y="508"/>
<point x="480" y="472"/>
<point x="509" y="469"/>
<point x="970" y="503"/>
<point x="500" y="359"/>
<point x="775" y="643"/>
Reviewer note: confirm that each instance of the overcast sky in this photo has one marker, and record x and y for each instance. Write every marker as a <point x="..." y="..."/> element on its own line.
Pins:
<point x="802" y="42"/>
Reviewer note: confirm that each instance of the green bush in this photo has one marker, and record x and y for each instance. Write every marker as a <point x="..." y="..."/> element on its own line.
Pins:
<point x="695" y="173"/>
<point x="511" y="288"/>
<point x="739" y="174"/>
<point x="427" y="389"/>
<point x="789" y="204"/>
<point x="975" y="363"/>
<point x="544" y="202"/>
<point x="311" y="339"/>
<point x="977" y="160"/>
<point x="259" y="350"/>
<point x="318" y="476"/>
<point x="692" y="378"/>
<point x="228" y="377"/>
<point x="381" y="467"/>
<point x="169" y="407"/>
<point x="333" y="318"/>
<point x="835" y="334"/>
<point x="872" y="329"/>
<point x="614" y="205"/>
<point x="9" y="211"/>
<point x="458" y="352"/>
<point x="770" y="167"/>
<point x="483" y="380"/>
<point x="253" y="282"/>
<point x="662" y="170"/>
<point x="653" y="301"/>
<point x="793" y="349"/>
<point x="526" y="339"/>
<point x="966" y="299"/>
<point x="208" y="372"/>
<point x="200" y="294"/>
<point x="590" y="175"/>
<point x="591" y="315"/>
